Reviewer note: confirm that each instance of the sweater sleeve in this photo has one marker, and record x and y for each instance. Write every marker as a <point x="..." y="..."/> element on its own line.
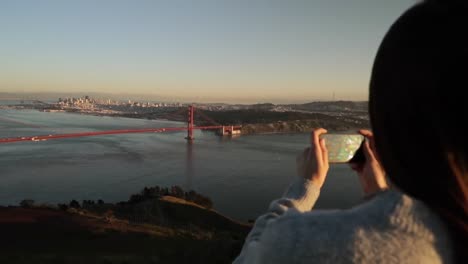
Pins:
<point x="299" y="197"/>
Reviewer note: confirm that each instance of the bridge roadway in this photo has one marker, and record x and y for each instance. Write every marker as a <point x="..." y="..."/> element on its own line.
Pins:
<point x="99" y="133"/>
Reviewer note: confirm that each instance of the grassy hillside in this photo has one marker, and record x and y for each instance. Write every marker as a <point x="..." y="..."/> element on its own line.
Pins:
<point x="157" y="230"/>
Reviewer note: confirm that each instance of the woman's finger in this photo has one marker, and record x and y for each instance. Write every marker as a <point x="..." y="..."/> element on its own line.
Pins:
<point x="316" y="143"/>
<point x="366" y="133"/>
<point x="370" y="136"/>
<point x="368" y="151"/>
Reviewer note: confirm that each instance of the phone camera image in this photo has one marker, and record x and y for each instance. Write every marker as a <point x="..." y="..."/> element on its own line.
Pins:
<point x="344" y="148"/>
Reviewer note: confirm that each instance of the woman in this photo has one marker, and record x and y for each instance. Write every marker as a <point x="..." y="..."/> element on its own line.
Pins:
<point x="420" y="142"/>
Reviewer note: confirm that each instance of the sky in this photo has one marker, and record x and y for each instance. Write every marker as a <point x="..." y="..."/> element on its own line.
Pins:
<point x="195" y="50"/>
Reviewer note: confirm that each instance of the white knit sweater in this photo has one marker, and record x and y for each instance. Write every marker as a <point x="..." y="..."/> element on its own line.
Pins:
<point x="390" y="228"/>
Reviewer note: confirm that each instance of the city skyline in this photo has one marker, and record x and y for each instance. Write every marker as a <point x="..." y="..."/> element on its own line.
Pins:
<point x="229" y="51"/>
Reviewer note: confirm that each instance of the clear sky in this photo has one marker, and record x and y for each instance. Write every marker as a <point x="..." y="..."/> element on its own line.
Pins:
<point x="201" y="50"/>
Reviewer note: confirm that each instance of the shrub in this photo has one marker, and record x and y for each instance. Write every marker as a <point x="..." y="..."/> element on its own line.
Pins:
<point x="63" y="207"/>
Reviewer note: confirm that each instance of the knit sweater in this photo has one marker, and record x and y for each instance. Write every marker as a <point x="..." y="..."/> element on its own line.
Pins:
<point x="389" y="228"/>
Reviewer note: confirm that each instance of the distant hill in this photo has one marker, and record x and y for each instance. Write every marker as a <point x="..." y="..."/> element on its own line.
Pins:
<point x="332" y="106"/>
<point x="265" y="106"/>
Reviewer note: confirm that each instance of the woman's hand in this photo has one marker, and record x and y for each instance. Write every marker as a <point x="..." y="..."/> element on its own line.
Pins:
<point x="312" y="164"/>
<point x="371" y="173"/>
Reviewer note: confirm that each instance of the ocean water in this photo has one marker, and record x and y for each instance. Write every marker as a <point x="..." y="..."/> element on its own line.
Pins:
<point x="241" y="175"/>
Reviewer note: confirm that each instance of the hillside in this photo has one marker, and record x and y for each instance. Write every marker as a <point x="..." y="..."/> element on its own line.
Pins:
<point x="158" y="230"/>
<point x="332" y="106"/>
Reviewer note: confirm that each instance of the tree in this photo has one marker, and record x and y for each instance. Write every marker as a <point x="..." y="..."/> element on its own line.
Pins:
<point x="151" y="192"/>
<point x="27" y="203"/>
<point x="75" y="204"/>
<point x="136" y="198"/>
<point x="177" y="191"/>
<point x="86" y="203"/>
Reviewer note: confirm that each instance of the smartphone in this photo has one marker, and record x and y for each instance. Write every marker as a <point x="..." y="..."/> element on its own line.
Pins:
<point x="344" y="148"/>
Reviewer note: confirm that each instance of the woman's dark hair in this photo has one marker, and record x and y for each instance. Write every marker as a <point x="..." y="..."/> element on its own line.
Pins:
<point x="419" y="110"/>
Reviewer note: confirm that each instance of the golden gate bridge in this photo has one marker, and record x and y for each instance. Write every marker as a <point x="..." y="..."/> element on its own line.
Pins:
<point x="223" y="129"/>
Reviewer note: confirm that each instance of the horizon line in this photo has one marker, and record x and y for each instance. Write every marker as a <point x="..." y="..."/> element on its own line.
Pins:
<point x="173" y="98"/>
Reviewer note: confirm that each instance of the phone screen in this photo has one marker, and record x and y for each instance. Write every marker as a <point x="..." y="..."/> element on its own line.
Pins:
<point x="342" y="147"/>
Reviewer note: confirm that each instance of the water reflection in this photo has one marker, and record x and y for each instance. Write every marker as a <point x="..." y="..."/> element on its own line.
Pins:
<point x="222" y="139"/>
<point x="189" y="170"/>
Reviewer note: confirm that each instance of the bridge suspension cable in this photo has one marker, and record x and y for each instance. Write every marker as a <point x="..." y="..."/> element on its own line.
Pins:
<point x="190" y="128"/>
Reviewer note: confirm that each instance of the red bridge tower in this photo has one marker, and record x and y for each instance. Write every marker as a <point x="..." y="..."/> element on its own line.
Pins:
<point x="191" y="115"/>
